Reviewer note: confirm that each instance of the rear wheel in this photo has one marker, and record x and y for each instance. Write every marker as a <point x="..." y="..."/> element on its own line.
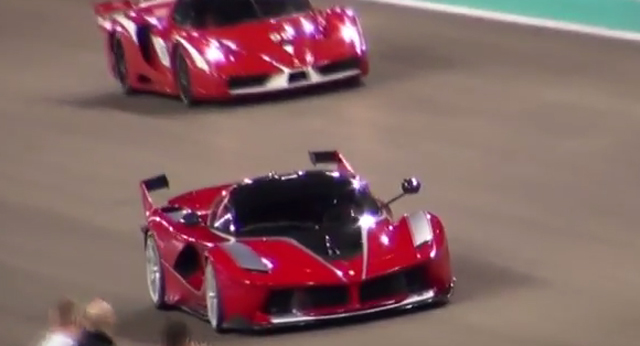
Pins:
<point x="155" y="276"/>
<point x="120" y="66"/>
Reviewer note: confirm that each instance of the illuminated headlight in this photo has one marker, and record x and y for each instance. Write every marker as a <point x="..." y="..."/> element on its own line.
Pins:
<point x="214" y="53"/>
<point x="350" y="33"/>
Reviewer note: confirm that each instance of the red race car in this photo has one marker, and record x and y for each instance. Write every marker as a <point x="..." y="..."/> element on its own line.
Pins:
<point x="217" y="49"/>
<point x="291" y="249"/>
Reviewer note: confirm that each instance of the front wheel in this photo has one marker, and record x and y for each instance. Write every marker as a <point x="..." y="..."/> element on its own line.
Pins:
<point x="155" y="276"/>
<point x="214" y="308"/>
<point x="183" y="80"/>
<point x="120" y="67"/>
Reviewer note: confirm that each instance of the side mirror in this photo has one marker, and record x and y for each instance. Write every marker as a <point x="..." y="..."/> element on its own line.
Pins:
<point x="411" y="186"/>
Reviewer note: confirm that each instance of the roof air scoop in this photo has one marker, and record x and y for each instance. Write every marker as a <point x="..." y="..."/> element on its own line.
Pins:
<point x="182" y="215"/>
<point x="191" y="219"/>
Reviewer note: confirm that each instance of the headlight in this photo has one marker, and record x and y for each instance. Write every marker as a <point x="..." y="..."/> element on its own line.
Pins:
<point x="350" y="33"/>
<point x="420" y="228"/>
<point x="246" y="258"/>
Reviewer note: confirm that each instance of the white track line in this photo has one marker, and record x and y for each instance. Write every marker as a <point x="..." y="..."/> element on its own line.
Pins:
<point x="517" y="19"/>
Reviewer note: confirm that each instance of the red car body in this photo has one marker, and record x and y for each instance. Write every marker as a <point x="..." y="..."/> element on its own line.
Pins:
<point x="266" y="280"/>
<point x="151" y="47"/>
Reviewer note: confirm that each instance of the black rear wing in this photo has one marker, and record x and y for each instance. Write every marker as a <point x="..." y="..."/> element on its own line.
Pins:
<point x="330" y="157"/>
<point x="149" y="185"/>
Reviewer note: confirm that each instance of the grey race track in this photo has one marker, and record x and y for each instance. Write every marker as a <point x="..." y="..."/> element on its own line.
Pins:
<point x="524" y="139"/>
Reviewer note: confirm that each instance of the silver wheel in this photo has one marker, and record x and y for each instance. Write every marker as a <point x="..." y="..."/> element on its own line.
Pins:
<point x="212" y="297"/>
<point x="154" y="274"/>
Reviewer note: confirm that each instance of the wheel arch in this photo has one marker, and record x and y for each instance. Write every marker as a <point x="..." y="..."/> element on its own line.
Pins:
<point x="189" y="52"/>
<point x="112" y="37"/>
<point x="188" y="262"/>
<point x="145" y="234"/>
<point x="176" y="48"/>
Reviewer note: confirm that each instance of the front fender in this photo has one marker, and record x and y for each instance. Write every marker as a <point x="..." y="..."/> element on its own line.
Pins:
<point x="193" y="51"/>
<point x="436" y="251"/>
<point x="345" y="23"/>
<point x="240" y="297"/>
<point x="205" y="81"/>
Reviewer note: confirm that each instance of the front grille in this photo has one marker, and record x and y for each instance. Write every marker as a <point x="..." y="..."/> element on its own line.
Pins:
<point x="240" y="82"/>
<point x="297" y="77"/>
<point x="340" y="66"/>
<point x="393" y="285"/>
<point x="287" y="300"/>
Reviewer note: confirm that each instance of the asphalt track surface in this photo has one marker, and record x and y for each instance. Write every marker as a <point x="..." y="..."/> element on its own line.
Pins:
<point x="525" y="140"/>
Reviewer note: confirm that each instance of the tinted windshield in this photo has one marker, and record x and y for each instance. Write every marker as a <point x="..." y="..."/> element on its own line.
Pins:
<point x="310" y="199"/>
<point x="230" y="12"/>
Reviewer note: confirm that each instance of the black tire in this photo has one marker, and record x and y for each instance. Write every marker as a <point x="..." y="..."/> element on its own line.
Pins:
<point x="157" y="293"/>
<point x="120" y="68"/>
<point x="183" y="80"/>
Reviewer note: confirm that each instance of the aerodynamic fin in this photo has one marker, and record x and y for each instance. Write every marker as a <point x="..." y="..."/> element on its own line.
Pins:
<point x="330" y="157"/>
<point x="149" y="185"/>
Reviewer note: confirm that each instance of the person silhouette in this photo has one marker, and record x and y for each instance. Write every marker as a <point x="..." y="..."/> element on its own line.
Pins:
<point x="63" y="329"/>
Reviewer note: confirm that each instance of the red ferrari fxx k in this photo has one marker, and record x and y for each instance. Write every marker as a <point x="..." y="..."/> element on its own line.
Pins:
<point x="290" y="249"/>
<point x="218" y="49"/>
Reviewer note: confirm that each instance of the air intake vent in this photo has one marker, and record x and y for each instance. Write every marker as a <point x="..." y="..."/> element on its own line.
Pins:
<point x="394" y="285"/>
<point x="340" y="66"/>
<point x="247" y="81"/>
<point x="305" y="299"/>
<point x="297" y="77"/>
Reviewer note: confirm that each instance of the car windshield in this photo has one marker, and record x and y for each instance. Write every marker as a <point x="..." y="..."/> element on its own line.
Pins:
<point x="310" y="199"/>
<point x="231" y="12"/>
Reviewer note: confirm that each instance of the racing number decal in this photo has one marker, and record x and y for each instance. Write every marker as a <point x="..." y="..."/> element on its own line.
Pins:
<point x="161" y="48"/>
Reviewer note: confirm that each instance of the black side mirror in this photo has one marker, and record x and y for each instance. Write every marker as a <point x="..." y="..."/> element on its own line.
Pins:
<point x="411" y="186"/>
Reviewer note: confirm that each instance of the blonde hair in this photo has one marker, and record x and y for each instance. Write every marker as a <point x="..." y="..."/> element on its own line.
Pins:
<point x="99" y="316"/>
<point x="64" y="313"/>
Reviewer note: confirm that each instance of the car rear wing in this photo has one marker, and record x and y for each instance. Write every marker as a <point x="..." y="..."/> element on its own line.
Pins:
<point x="331" y="157"/>
<point x="105" y="10"/>
<point x="149" y="185"/>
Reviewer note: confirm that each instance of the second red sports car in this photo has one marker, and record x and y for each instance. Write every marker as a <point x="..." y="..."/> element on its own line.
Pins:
<point x="217" y="49"/>
<point x="290" y="249"/>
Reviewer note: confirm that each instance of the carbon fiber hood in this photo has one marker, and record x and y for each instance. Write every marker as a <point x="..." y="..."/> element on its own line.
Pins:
<point x="335" y="241"/>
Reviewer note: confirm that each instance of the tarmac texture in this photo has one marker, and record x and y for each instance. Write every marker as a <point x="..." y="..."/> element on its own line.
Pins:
<point x="525" y="141"/>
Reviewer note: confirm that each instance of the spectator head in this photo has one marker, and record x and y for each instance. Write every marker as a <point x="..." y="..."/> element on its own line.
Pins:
<point x="175" y="333"/>
<point x="99" y="316"/>
<point x="63" y="314"/>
